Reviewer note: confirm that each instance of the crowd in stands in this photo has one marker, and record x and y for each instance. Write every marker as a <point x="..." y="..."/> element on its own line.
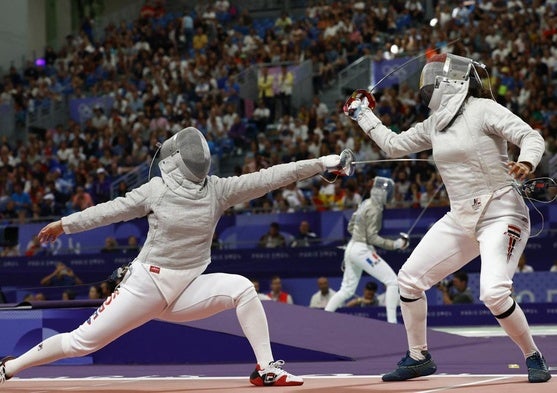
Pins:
<point x="165" y="70"/>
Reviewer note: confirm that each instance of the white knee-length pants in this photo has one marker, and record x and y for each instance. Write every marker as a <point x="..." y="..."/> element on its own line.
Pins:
<point x="139" y="300"/>
<point x="359" y="258"/>
<point x="500" y="238"/>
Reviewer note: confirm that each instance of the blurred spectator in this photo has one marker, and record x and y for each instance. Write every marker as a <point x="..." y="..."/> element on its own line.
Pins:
<point x="237" y="132"/>
<point x="261" y="116"/>
<point x="28" y="297"/>
<point x="277" y="294"/>
<point x="200" y="39"/>
<point x="107" y="287"/>
<point x="319" y="108"/>
<point x="99" y="120"/>
<point x="49" y="207"/>
<point x="305" y="237"/>
<point x="110" y="245"/>
<point x="523" y="267"/>
<point x="320" y="298"/>
<point x="122" y="188"/>
<point x="266" y="86"/>
<point x="62" y="276"/>
<point x="283" y="23"/>
<point x="273" y="238"/>
<point x="294" y="197"/>
<point x="553" y="267"/>
<point x="431" y="197"/>
<point x="39" y="297"/>
<point x="95" y="292"/>
<point x="456" y="291"/>
<point x="100" y="189"/>
<point x="262" y="296"/>
<point x="338" y="196"/>
<point x="325" y="195"/>
<point x="10" y="251"/>
<point x="188" y="28"/>
<point x="368" y="298"/>
<point x="2" y="296"/>
<point x="21" y="199"/>
<point x="68" y="294"/>
<point x="351" y="198"/>
<point x="9" y="212"/>
<point x="285" y="82"/>
<point x="81" y="200"/>
<point x="132" y="246"/>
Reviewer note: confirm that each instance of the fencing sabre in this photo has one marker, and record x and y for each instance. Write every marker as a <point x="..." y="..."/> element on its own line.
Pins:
<point x="348" y="161"/>
<point x="368" y="93"/>
<point x="406" y="235"/>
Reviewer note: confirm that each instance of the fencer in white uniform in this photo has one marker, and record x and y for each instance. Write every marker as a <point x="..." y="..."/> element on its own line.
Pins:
<point x="360" y="254"/>
<point x="165" y="281"/>
<point x="488" y="217"/>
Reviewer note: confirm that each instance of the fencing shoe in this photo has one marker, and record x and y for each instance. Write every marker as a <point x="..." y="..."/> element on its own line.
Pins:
<point x="274" y="375"/>
<point x="3" y="376"/>
<point x="537" y="368"/>
<point x="409" y="368"/>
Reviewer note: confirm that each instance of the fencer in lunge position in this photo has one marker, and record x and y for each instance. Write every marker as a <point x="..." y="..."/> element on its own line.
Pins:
<point x="165" y="281"/>
<point x="360" y="254"/>
<point x="488" y="217"/>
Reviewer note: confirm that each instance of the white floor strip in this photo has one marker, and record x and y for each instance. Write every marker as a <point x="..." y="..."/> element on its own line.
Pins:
<point x="310" y="376"/>
<point x="495" y="331"/>
<point x="462" y="385"/>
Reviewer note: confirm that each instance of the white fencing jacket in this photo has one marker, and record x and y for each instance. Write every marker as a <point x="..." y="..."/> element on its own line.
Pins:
<point x="470" y="154"/>
<point x="183" y="215"/>
<point x="365" y="224"/>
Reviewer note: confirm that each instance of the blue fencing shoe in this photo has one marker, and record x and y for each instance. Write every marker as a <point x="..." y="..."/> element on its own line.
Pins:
<point x="537" y="368"/>
<point x="409" y="368"/>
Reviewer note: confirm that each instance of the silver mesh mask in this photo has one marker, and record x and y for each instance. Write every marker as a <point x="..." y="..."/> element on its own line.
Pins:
<point x="195" y="158"/>
<point x="383" y="190"/>
<point x="445" y="69"/>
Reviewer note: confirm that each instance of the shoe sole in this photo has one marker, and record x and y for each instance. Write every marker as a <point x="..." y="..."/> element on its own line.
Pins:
<point x="279" y="382"/>
<point x="543" y="378"/>
<point x="430" y="368"/>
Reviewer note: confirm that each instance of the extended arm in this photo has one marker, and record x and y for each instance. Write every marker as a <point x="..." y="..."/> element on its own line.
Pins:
<point x="413" y="140"/>
<point x="235" y="190"/>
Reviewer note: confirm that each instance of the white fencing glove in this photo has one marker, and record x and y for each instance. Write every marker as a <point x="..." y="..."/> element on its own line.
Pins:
<point x="331" y="163"/>
<point x="359" y="108"/>
<point x="367" y="119"/>
<point x="402" y="242"/>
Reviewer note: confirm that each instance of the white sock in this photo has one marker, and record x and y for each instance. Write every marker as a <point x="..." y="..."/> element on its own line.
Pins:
<point x="253" y="321"/>
<point x="47" y="351"/>
<point x="516" y="326"/>
<point x="414" y="315"/>
<point x="391" y="302"/>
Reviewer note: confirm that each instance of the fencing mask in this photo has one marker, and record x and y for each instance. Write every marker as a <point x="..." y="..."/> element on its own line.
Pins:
<point x="383" y="190"/>
<point x="446" y="75"/>
<point x="190" y="151"/>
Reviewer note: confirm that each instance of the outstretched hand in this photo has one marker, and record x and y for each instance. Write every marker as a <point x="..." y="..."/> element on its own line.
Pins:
<point x="359" y="108"/>
<point x="519" y="170"/>
<point x="50" y="232"/>
<point x="359" y="100"/>
<point x="401" y="243"/>
<point x="331" y="163"/>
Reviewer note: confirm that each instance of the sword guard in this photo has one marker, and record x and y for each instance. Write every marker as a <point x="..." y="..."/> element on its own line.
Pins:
<point x="347" y="158"/>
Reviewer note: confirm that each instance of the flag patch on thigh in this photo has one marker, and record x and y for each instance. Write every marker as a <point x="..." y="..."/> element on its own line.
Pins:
<point x="513" y="232"/>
